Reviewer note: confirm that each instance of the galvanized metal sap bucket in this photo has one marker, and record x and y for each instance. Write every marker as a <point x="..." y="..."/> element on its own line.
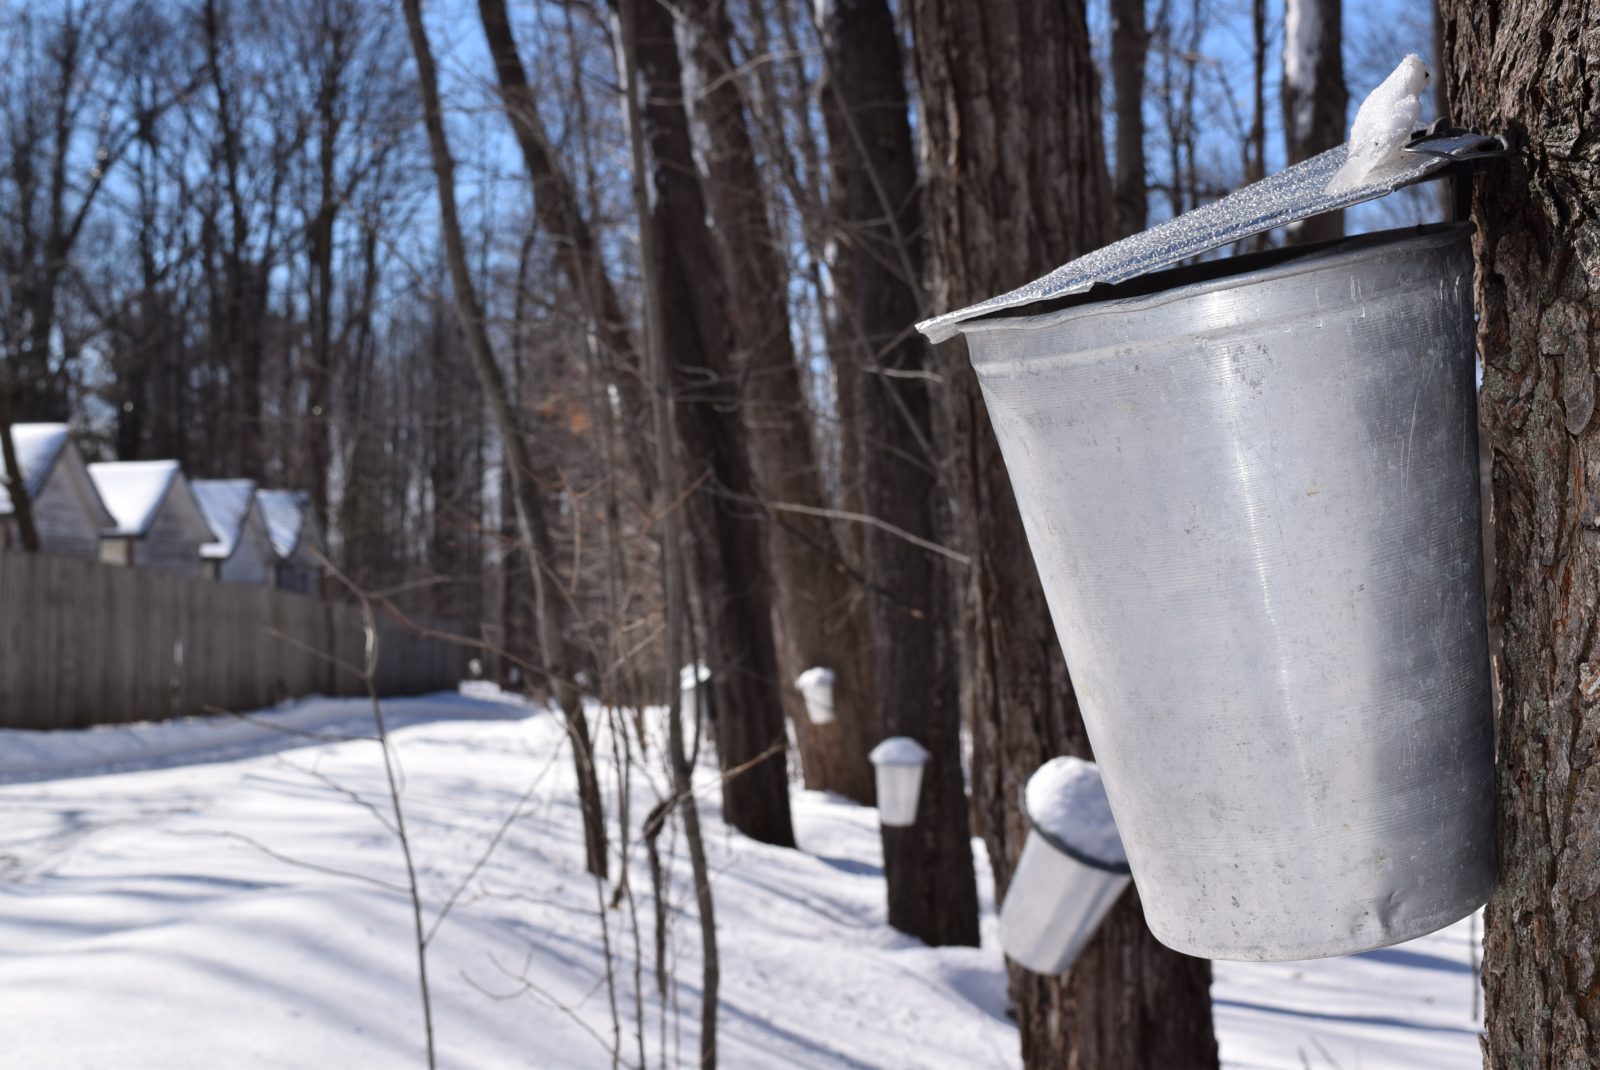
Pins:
<point x="1251" y="492"/>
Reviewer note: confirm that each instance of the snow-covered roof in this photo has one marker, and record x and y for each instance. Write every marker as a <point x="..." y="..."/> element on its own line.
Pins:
<point x="226" y="504"/>
<point x="285" y="513"/>
<point x="133" y="491"/>
<point x="38" y="446"/>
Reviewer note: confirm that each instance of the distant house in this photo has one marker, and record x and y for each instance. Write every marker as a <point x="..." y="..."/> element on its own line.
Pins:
<point x="158" y="523"/>
<point x="67" y="511"/>
<point x="295" y="538"/>
<point x="242" y="551"/>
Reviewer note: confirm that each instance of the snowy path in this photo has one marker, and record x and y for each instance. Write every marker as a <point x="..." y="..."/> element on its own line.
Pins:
<point x="224" y="897"/>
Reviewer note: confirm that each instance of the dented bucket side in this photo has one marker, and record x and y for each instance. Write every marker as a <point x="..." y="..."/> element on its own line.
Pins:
<point x="1253" y="505"/>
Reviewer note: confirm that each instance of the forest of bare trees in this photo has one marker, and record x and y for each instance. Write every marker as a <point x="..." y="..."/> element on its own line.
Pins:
<point x="589" y="325"/>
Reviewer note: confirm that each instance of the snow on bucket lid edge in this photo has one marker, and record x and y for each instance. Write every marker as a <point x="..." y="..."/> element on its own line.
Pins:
<point x="1065" y="802"/>
<point x="899" y="750"/>
<point x="816" y="676"/>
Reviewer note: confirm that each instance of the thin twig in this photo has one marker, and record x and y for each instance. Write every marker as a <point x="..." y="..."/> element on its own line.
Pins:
<point x="369" y="676"/>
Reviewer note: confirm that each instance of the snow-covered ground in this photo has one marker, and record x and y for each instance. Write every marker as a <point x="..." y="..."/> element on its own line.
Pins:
<point x="226" y="893"/>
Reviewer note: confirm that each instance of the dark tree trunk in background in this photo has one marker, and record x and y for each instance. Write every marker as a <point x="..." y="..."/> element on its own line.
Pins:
<point x="822" y="614"/>
<point x="836" y="303"/>
<point x="12" y="476"/>
<point x="229" y="322"/>
<point x="1130" y="41"/>
<point x="1255" y="153"/>
<point x="1314" y="95"/>
<point x="916" y="669"/>
<point x="1017" y="185"/>
<point x="723" y="510"/>
<point x="1528" y="68"/>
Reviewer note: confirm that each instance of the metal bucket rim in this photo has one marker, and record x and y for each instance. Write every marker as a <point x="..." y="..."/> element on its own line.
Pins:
<point x="1122" y="868"/>
<point x="1303" y="260"/>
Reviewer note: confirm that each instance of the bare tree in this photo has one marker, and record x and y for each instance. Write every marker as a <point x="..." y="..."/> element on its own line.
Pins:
<point x="1130" y="44"/>
<point x="526" y="500"/>
<point x="1003" y="208"/>
<point x="824" y="616"/>
<point x="1538" y="250"/>
<point x="344" y="80"/>
<point x="676" y="608"/>
<point x="1314" y="94"/>
<point x="15" y="480"/>
<point x="915" y="655"/>
<point x="61" y="140"/>
<point x="1256" y="145"/>
<point x="724" y="509"/>
<point x="560" y="214"/>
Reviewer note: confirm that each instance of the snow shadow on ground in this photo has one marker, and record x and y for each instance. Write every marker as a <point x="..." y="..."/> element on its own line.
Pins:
<point x="30" y="756"/>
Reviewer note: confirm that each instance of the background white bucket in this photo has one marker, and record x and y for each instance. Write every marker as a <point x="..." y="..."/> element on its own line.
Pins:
<point x="1071" y="872"/>
<point x="898" y="762"/>
<point x="690" y="679"/>
<point x="816" y="687"/>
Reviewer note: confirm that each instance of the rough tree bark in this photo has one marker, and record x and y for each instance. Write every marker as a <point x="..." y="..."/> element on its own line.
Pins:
<point x="1130" y="41"/>
<point x="823" y="617"/>
<point x="1529" y="69"/>
<point x="916" y="670"/>
<point x="729" y="529"/>
<point x="1314" y="96"/>
<point x="551" y="605"/>
<point x="1016" y="185"/>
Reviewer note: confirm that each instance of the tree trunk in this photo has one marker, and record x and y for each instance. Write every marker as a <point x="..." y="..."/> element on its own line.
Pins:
<point x="723" y="507"/>
<point x="823" y="615"/>
<point x="1314" y="96"/>
<point x="1129" y="43"/>
<point x="1255" y="153"/>
<point x="12" y="475"/>
<point x="834" y="296"/>
<point x="1528" y="69"/>
<point x="916" y="670"/>
<point x="1016" y="185"/>
<point x="525" y="493"/>
<point x="675" y="609"/>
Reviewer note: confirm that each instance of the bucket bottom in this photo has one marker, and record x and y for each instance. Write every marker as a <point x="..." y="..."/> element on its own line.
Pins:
<point x="1378" y="926"/>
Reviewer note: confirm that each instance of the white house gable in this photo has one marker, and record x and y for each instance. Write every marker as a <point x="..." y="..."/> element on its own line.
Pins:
<point x="67" y="511"/>
<point x="242" y="550"/>
<point x="176" y="534"/>
<point x="295" y="539"/>
<point x="159" y="524"/>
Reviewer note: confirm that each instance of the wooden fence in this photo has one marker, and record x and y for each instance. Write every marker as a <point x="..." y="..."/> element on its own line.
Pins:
<point x="83" y="643"/>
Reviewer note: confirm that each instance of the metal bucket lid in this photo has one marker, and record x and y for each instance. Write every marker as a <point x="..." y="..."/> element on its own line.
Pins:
<point x="1293" y="194"/>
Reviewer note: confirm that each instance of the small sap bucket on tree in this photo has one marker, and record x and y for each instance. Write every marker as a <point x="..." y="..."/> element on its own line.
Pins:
<point x="691" y="678"/>
<point x="898" y="762"/>
<point x="816" y="687"/>
<point x="1071" y="871"/>
<point x="1250" y="487"/>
